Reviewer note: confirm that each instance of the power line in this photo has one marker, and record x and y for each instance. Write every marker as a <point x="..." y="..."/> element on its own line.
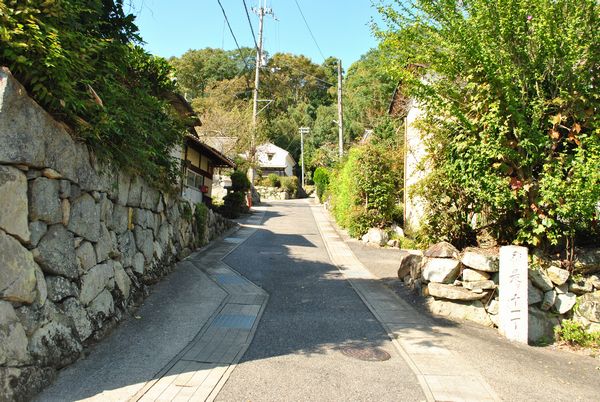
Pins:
<point x="232" y="34"/>
<point x="250" y="23"/>
<point x="309" y="30"/>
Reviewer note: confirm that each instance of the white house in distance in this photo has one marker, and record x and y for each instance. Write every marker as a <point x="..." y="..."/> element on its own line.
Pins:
<point x="272" y="159"/>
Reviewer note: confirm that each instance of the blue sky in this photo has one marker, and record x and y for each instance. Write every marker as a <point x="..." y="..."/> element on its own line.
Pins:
<point x="341" y="27"/>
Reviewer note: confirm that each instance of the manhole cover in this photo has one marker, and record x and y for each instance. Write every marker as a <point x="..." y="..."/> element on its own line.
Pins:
<point x="368" y="354"/>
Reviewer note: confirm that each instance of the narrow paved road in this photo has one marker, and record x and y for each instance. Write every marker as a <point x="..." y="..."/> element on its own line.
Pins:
<point x="312" y="314"/>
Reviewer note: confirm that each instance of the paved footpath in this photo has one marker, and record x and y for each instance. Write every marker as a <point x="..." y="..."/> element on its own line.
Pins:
<point x="191" y="332"/>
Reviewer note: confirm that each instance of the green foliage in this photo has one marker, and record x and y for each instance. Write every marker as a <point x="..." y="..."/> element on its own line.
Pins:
<point x="321" y="179"/>
<point x="201" y="220"/>
<point x="509" y="91"/>
<point x="234" y="203"/>
<point x="272" y="180"/>
<point x="290" y="184"/>
<point x="78" y="60"/>
<point x="239" y="181"/>
<point x="575" y="334"/>
<point x="364" y="188"/>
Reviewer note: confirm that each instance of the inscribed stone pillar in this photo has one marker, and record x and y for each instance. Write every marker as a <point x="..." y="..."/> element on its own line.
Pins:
<point x="513" y="293"/>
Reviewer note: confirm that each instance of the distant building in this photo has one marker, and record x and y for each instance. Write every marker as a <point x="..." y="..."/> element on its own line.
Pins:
<point x="198" y="160"/>
<point x="272" y="159"/>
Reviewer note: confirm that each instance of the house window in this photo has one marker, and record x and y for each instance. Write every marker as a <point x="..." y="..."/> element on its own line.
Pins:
<point x="270" y="156"/>
<point x="194" y="180"/>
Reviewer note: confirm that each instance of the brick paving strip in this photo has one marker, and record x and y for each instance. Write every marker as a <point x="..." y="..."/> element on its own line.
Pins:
<point x="201" y="369"/>
<point x="442" y="373"/>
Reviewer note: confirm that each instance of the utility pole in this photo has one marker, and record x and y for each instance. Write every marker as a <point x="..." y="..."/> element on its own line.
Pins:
<point x="303" y="130"/>
<point x="261" y="11"/>
<point x="340" y="111"/>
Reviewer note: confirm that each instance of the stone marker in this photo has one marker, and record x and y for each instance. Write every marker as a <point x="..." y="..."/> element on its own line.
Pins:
<point x="513" y="297"/>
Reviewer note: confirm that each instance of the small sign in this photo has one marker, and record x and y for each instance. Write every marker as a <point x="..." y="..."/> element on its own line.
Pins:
<point x="513" y="293"/>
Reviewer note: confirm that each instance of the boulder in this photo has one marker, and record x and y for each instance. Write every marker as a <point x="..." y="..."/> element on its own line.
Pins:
<point x="17" y="271"/>
<point x="478" y="286"/>
<point x="541" y="325"/>
<point x="106" y="209"/>
<point x="408" y="264"/>
<point x="595" y="281"/>
<point x="494" y="307"/>
<point x="581" y="287"/>
<point x="441" y="270"/>
<point x="548" y="300"/>
<point x="55" y="344"/>
<point x="557" y="275"/>
<point x="42" y="289"/>
<point x="86" y="256"/>
<point x="138" y="263"/>
<point x="480" y="261"/>
<point x="73" y="309"/>
<point x="64" y="189"/>
<point x="587" y="260"/>
<point x="534" y="295"/>
<point x="56" y="252"/>
<point x="14" y="203"/>
<point x="540" y="279"/>
<point x="13" y="340"/>
<point x="44" y="202"/>
<point x="122" y="280"/>
<point x="51" y="174"/>
<point x="85" y="218"/>
<point x="397" y="230"/>
<point x="94" y="281"/>
<point x="102" y="306"/>
<point x="442" y="250"/>
<point x="589" y="306"/>
<point x="104" y="246"/>
<point x="127" y="247"/>
<point x="393" y="243"/>
<point x="472" y="311"/>
<point x="377" y="236"/>
<point x="37" y="230"/>
<point x="120" y="219"/>
<point x="562" y="289"/>
<point x="452" y="292"/>
<point x="23" y="383"/>
<point x="59" y="288"/>
<point x="471" y="275"/>
<point x="564" y="302"/>
<point x="134" y="198"/>
<point x="144" y="241"/>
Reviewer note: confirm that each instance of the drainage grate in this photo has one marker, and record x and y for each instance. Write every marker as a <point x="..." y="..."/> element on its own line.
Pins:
<point x="369" y="354"/>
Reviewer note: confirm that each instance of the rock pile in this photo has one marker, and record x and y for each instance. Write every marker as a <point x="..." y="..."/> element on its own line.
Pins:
<point x="465" y="286"/>
<point x="272" y="193"/>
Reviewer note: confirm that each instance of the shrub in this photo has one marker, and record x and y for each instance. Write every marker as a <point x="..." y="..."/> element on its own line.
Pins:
<point x="201" y="221"/>
<point x="510" y="100"/>
<point x="78" y="60"/>
<point x="234" y="203"/>
<point x="321" y="179"/>
<point x="239" y="181"/>
<point x="273" y="180"/>
<point x="364" y="188"/>
<point x="574" y="333"/>
<point x="290" y="184"/>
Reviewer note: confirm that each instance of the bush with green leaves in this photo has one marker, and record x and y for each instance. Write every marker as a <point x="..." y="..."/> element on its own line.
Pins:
<point x="574" y="333"/>
<point x="290" y="184"/>
<point x="321" y="179"/>
<point x="234" y="203"/>
<point x="272" y="180"/>
<point x="79" y="60"/>
<point x="510" y="95"/>
<point x="201" y="221"/>
<point x="365" y="187"/>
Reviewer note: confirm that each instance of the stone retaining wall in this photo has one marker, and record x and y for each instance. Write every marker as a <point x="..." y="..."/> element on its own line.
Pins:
<point x="466" y="286"/>
<point x="78" y="246"/>
<point x="272" y="193"/>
